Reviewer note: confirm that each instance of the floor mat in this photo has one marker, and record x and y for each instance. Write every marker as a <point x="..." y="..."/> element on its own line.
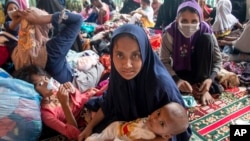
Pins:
<point x="210" y="123"/>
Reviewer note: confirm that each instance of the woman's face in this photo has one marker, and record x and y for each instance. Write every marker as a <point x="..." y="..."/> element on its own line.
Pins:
<point x="12" y="7"/>
<point x="127" y="57"/>
<point x="40" y="82"/>
<point x="188" y="17"/>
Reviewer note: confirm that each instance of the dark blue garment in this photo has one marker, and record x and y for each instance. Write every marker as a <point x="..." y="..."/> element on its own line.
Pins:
<point x="7" y="29"/>
<point x="152" y="88"/>
<point x="62" y="2"/>
<point x="92" y="18"/>
<point x="59" y="45"/>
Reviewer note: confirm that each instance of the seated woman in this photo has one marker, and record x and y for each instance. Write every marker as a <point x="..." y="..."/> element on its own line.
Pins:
<point x="11" y="26"/>
<point x="224" y="20"/>
<point x="184" y="43"/>
<point x="11" y="21"/>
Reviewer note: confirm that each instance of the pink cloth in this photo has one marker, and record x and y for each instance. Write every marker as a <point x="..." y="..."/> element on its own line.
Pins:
<point x="137" y="1"/>
<point x="23" y="4"/>
<point x="55" y="118"/>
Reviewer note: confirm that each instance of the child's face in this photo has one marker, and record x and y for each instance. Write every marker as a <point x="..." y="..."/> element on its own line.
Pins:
<point x="144" y="5"/>
<point x="40" y="82"/>
<point x="159" y="123"/>
<point x="127" y="57"/>
<point x="188" y="17"/>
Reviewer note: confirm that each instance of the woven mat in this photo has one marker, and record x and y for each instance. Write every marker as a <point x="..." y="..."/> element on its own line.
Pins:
<point x="211" y="123"/>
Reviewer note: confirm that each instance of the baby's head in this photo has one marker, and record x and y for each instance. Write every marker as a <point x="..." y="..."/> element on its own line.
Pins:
<point x="169" y="120"/>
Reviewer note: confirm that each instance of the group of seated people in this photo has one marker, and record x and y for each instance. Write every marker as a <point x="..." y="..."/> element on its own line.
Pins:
<point x="142" y="92"/>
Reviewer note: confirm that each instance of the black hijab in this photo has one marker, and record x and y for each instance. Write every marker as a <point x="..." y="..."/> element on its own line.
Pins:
<point x="152" y="88"/>
<point x="167" y="13"/>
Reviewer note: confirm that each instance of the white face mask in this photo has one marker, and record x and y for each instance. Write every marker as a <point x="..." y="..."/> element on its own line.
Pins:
<point x="187" y="30"/>
<point x="53" y="84"/>
<point x="10" y="13"/>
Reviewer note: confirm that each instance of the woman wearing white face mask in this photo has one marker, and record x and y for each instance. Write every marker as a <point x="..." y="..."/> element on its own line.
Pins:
<point x="189" y="44"/>
<point x="12" y="20"/>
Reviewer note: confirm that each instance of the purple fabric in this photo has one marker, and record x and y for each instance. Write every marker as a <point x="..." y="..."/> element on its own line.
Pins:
<point x="190" y="3"/>
<point x="183" y="47"/>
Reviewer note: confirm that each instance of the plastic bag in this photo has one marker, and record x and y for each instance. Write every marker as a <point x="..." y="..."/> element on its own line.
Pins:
<point x="20" y="117"/>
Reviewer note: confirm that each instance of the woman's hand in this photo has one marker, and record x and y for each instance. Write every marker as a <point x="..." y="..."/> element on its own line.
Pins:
<point x="63" y="95"/>
<point x="16" y="16"/>
<point x="205" y="86"/>
<point x="30" y="15"/>
<point x="84" y="134"/>
<point x="35" y="18"/>
<point x="184" y="86"/>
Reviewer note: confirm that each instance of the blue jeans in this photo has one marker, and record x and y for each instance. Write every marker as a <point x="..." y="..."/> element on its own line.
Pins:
<point x="59" y="45"/>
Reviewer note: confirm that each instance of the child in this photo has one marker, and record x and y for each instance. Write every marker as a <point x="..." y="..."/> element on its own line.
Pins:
<point x="146" y="13"/>
<point x="61" y="105"/>
<point x="169" y="120"/>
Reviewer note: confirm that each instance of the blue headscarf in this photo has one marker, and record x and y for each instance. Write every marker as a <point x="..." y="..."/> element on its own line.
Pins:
<point x="182" y="44"/>
<point x="152" y="88"/>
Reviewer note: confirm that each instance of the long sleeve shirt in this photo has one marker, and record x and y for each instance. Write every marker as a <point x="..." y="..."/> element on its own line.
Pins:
<point x="55" y="117"/>
<point x="166" y="53"/>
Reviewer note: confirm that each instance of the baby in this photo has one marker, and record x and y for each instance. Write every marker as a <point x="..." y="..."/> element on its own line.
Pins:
<point x="169" y="120"/>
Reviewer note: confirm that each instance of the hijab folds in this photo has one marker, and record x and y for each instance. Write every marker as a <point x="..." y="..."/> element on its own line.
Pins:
<point x="152" y="88"/>
<point x="182" y="46"/>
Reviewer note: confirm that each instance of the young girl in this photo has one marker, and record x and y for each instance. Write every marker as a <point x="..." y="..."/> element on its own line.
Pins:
<point x="138" y="85"/>
<point x="61" y="105"/>
<point x="146" y="12"/>
<point x="192" y="49"/>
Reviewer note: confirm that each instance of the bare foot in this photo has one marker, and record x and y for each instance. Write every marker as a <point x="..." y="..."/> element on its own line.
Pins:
<point x="207" y="99"/>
